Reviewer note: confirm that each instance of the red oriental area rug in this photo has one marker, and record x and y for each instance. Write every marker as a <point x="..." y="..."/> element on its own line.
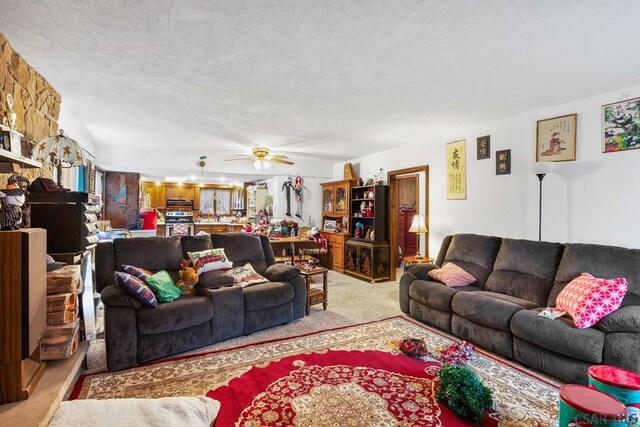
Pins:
<point x="351" y="376"/>
<point x="337" y="388"/>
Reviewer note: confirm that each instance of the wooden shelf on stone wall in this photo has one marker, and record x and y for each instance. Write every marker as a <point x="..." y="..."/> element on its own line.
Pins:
<point x="25" y="162"/>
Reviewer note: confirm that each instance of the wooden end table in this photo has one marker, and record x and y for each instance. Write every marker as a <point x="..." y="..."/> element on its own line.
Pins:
<point x="411" y="259"/>
<point x="316" y="295"/>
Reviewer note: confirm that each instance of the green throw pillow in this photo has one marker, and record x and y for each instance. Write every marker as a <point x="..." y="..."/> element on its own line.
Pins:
<point x="163" y="287"/>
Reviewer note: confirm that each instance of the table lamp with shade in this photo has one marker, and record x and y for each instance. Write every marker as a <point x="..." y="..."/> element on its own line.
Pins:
<point x="59" y="151"/>
<point x="418" y="227"/>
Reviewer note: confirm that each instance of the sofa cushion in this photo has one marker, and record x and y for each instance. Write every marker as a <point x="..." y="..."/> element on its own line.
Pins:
<point x="559" y="335"/>
<point x="452" y="276"/>
<point x="626" y="319"/>
<point x="242" y="248"/>
<point x="182" y="313"/>
<point x="141" y="273"/>
<point x="151" y="253"/>
<point x="195" y="244"/>
<point x="267" y="295"/>
<point x="601" y="261"/>
<point x="246" y="276"/>
<point x="136" y="288"/>
<point x="489" y="308"/>
<point x="435" y="294"/>
<point x="588" y="299"/>
<point x="210" y="260"/>
<point x="475" y="254"/>
<point x="525" y="269"/>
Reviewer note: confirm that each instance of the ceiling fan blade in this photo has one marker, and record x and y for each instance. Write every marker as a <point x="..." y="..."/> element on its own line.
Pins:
<point x="233" y="160"/>
<point x="279" y="156"/>
<point x="286" y="162"/>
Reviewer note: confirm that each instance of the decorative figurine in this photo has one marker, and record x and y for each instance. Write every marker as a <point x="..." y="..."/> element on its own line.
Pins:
<point x="360" y="182"/>
<point x="287" y="187"/>
<point x="370" y="181"/>
<point x="297" y="192"/>
<point x="370" y="210"/>
<point x="363" y="208"/>
<point x="368" y="235"/>
<point x="12" y="202"/>
<point x="373" y="234"/>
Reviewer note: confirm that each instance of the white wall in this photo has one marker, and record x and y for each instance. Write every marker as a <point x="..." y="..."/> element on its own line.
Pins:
<point x="594" y="199"/>
<point x="311" y="199"/>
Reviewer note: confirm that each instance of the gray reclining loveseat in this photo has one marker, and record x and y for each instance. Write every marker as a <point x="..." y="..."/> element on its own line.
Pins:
<point x="515" y="280"/>
<point x="221" y="310"/>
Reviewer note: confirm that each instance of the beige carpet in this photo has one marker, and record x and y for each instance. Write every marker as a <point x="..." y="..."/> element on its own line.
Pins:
<point x="351" y="301"/>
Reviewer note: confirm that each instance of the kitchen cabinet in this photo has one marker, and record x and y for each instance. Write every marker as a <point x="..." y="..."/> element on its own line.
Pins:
<point x="180" y="192"/>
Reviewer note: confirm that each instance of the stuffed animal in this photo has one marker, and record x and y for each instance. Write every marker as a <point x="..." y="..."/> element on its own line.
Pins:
<point x="188" y="278"/>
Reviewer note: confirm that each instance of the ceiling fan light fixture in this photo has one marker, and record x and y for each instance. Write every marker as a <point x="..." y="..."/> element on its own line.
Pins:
<point x="257" y="164"/>
<point x="266" y="164"/>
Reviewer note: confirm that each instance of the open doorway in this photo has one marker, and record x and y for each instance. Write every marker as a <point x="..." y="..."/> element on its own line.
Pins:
<point x="408" y="197"/>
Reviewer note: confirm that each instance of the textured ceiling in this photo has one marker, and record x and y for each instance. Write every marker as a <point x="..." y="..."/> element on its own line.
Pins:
<point x="337" y="78"/>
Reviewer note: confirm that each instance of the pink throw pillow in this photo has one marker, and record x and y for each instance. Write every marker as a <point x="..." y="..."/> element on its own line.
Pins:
<point x="452" y="275"/>
<point x="588" y="299"/>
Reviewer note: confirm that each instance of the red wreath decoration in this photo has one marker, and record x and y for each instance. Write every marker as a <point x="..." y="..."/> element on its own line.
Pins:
<point x="456" y="354"/>
<point x="414" y="347"/>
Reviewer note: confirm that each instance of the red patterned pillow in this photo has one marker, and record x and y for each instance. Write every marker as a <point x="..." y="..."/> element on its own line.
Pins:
<point x="588" y="299"/>
<point x="452" y="275"/>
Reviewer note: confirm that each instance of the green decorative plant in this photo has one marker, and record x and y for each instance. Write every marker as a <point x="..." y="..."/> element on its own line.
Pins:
<point x="463" y="392"/>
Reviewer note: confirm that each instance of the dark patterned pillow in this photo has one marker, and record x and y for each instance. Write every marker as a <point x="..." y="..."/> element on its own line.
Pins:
<point x="136" y="287"/>
<point x="141" y="273"/>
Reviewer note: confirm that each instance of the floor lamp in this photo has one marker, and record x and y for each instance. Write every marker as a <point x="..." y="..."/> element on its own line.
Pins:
<point x="540" y="178"/>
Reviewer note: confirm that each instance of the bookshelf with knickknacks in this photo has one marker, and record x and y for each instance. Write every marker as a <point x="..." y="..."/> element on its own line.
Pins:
<point x="367" y="250"/>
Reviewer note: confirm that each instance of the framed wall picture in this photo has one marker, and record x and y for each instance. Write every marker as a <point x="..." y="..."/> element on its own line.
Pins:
<point x="456" y="171"/>
<point x="503" y="162"/>
<point x="484" y="147"/>
<point x="556" y="139"/>
<point x="621" y="126"/>
<point x="329" y="225"/>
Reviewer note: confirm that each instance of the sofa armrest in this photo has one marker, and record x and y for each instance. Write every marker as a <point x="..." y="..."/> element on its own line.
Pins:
<point x="625" y="319"/>
<point x="228" y="311"/>
<point x="215" y="279"/>
<point x="281" y="273"/>
<point x="115" y="295"/>
<point x="419" y="271"/>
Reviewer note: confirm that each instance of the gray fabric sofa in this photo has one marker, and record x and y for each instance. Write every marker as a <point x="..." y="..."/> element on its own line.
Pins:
<point x="221" y="310"/>
<point x="515" y="280"/>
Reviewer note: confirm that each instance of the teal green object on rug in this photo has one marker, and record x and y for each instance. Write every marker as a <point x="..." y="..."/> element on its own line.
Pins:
<point x="163" y="286"/>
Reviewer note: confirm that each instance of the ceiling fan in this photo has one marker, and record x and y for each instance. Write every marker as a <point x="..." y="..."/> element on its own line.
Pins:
<point x="261" y="158"/>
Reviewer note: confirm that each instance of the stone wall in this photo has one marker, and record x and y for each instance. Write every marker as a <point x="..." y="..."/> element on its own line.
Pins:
<point x="36" y="103"/>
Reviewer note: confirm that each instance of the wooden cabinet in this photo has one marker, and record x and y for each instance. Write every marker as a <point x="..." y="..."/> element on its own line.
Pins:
<point x="180" y="192"/>
<point x="218" y="228"/>
<point x="23" y="311"/>
<point x="367" y="260"/>
<point x="335" y="198"/>
<point x="335" y="250"/>
<point x="367" y="250"/>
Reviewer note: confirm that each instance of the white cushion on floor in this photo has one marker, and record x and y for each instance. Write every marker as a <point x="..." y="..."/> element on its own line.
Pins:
<point x="165" y="411"/>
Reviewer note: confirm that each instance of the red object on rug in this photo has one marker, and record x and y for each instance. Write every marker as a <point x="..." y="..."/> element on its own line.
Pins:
<point x="372" y="388"/>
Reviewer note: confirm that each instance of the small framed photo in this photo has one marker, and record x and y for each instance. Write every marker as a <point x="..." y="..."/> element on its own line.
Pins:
<point x="16" y="143"/>
<point x="503" y="162"/>
<point x="484" y="147"/>
<point x="556" y="139"/>
<point x="329" y="225"/>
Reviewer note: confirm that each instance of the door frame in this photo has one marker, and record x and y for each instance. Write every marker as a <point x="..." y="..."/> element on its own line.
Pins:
<point x="393" y="213"/>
